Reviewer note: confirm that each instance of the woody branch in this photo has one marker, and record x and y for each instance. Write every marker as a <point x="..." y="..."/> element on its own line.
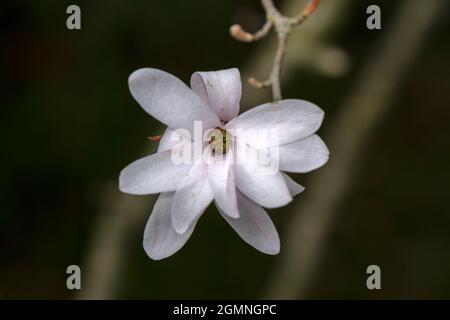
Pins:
<point x="283" y="26"/>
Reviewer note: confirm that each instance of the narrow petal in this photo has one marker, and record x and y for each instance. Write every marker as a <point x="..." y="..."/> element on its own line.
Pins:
<point x="169" y="140"/>
<point x="160" y="238"/>
<point x="191" y="198"/>
<point x="258" y="179"/>
<point x="169" y="100"/>
<point x="221" y="90"/>
<point x="294" y="187"/>
<point x="221" y="177"/>
<point x="303" y="155"/>
<point x="153" y="174"/>
<point x="277" y="123"/>
<point x="254" y="226"/>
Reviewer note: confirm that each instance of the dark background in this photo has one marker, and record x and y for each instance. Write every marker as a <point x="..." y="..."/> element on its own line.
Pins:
<point x="68" y="125"/>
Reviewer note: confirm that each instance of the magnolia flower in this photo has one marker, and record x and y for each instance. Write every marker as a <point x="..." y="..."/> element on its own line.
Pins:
<point x="239" y="186"/>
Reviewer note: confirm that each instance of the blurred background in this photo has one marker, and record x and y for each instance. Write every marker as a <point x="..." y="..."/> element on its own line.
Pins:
<point x="68" y="125"/>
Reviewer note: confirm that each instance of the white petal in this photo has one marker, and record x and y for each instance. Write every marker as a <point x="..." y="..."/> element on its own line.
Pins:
<point x="277" y="123"/>
<point x="258" y="179"/>
<point x="153" y="174"/>
<point x="169" y="140"/>
<point x="160" y="238"/>
<point x="254" y="226"/>
<point x="191" y="198"/>
<point x="294" y="187"/>
<point x="221" y="177"/>
<point x="221" y="90"/>
<point x="303" y="155"/>
<point x="169" y="100"/>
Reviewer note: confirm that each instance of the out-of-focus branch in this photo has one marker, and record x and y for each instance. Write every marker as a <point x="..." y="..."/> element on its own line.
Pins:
<point x="121" y="215"/>
<point x="360" y="113"/>
<point x="283" y="26"/>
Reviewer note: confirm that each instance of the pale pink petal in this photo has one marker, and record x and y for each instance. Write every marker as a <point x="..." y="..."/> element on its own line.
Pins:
<point x="221" y="90"/>
<point x="169" y="140"/>
<point x="277" y="123"/>
<point x="160" y="238"/>
<point x="153" y="174"/>
<point x="192" y="197"/>
<point x="294" y="187"/>
<point x="254" y="226"/>
<point x="258" y="179"/>
<point x="221" y="177"/>
<point x="303" y="155"/>
<point x="169" y="100"/>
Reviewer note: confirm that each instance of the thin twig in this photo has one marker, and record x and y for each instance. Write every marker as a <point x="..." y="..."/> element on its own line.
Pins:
<point x="309" y="49"/>
<point x="283" y="26"/>
<point x="276" y="70"/>
<point x="309" y="9"/>
<point x="237" y="32"/>
<point x="361" y="112"/>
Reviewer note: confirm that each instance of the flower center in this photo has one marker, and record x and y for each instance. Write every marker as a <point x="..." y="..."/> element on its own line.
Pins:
<point x="219" y="140"/>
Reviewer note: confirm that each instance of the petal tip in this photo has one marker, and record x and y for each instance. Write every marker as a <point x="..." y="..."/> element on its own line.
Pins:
<point x="274" y="251"/>
<point x="138" y="73"/>
<point x="156" y="256"/>
<point x="272" y="248"/>
<point x="122" y="184"/>
<point x="281" y="203"/>
<point x="178" y="225"/>
<point x="126" y="186"/>
<point x="234" y="215"/>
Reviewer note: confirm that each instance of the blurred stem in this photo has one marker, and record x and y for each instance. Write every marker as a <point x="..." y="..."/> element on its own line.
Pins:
<point x="365" y="107"/>
<point x="121" y="216"/>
